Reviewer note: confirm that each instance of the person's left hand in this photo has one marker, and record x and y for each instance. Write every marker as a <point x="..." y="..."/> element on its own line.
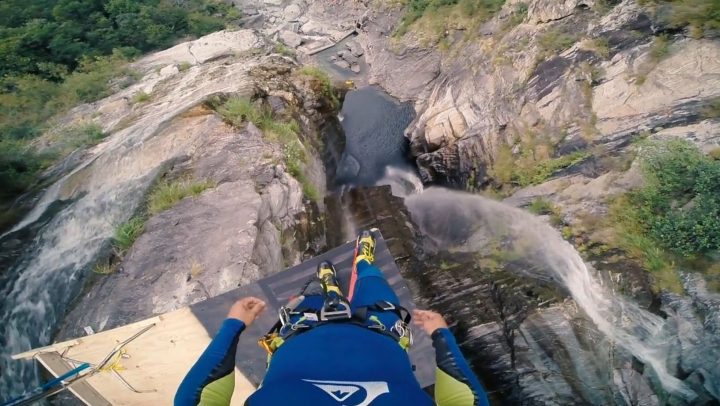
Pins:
<point x="246" y="310"/>
<point x="428" y="320"/>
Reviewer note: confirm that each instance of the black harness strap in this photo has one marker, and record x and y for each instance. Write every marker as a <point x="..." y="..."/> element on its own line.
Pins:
<point x="359" y="317"/>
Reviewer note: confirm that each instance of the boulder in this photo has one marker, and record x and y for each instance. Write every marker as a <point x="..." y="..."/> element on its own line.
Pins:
<point x="209" y="47"/>
<point x="444" y="128"/>
<point x="342" y="63"/>
<point x="169" y="70"/>
<point x="543" y="11"/>
<point x="313" y="27"/>
<point x="290" y="38"/>
<point x="291" y="12"/>
<point x="354" y="48"/>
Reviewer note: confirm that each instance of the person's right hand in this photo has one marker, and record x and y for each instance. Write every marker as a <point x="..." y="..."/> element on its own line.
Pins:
<point x="246" y="310"/>
<point x="428" y="320"/>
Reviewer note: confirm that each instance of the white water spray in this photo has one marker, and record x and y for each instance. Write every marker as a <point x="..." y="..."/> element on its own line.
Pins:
<point x="464" y="222"/>
<point x="402" y="182"/>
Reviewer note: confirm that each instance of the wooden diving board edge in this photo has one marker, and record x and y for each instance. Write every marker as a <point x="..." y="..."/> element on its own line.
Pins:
<point x="56" y="365"/>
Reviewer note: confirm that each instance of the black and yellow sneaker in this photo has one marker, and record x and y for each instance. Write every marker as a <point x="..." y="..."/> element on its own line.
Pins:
<point x="365" y="248"/>
<point x="328" y="276"/>
<point x="335" y="307"/>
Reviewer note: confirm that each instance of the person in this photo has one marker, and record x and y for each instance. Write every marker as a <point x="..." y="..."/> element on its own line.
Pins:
<point x="333" y="350"/>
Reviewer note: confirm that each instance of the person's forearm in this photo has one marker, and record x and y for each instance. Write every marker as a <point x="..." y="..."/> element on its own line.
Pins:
<point x="456" y="384"/>
<point x="211" y="380"/>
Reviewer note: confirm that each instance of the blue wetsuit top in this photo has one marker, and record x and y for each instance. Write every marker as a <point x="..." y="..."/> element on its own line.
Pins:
<point x="337" y="364"/>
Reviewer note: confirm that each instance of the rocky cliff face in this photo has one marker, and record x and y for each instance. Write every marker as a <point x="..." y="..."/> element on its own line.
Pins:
<point x="253" y="221"/>
<point x="607" y="86"/>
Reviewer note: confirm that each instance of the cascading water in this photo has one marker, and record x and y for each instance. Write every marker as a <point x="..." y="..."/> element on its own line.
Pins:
<point x="99" y="194"/>
<point x="463" y="223"/>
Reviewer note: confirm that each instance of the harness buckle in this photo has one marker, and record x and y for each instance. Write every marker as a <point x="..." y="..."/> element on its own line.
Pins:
<point x="284" y="315"/>
<point x="285" y="311"/>
<point x="328" y="313"/>
<point x="405" y="334"/>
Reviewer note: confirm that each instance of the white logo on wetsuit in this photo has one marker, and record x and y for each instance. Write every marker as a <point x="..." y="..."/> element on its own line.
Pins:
<point x="342" y="390"/>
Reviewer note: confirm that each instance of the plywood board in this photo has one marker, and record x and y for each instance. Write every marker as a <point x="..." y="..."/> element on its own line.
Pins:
<point x="56" y="365"/>
<point x="158" y="359"/>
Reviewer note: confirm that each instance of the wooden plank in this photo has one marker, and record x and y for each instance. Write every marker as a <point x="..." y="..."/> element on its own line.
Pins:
<point x="158" y="359"/>
<point x="56" y="365"/>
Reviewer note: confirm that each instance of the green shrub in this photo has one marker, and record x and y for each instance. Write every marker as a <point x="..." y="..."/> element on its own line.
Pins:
<point x="680" y="203"/>
<point x="19" y="167"/>
<point x="660" y="47"/>
<point x="544" y="207"/>
<point x="541" y="206"/>
<point x="518" y="15"/>
<point x="529" y="166"/>
<point x="140" y="97"/>
<point x="310" y="191"/>
<point x="295" y="158"/>
<point x="714" y="154"/>
<point x="90" y="81"/>
<point x="167" y="194"/>
<point x="238" y="110"/>
<point x="676" y="214"/>
<point x="184" y="66"/>
<point x="70" y="138"/>
<point x="126" y="233"/>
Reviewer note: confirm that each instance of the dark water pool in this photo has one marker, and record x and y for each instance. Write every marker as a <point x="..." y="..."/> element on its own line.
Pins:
<point x="374" y="125"/>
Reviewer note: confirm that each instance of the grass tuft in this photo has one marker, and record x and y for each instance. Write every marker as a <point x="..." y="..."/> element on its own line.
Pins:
<point x="660" y="47"/>
<point x="167" y="194"/>
<point x="127" y="232"/>
<point x="140" y="97"/>
<point x="282" y="49"/>
<point x="324" y="83"/>
<point x="555" y="41"/>
<point x="544" y="207"/>
<point x="104" y="269"/>
<point x="600" y="46"/>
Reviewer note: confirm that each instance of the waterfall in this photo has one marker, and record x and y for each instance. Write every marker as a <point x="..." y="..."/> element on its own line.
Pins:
<point x="100" y="193"/>
<point x="465" y="222"/>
